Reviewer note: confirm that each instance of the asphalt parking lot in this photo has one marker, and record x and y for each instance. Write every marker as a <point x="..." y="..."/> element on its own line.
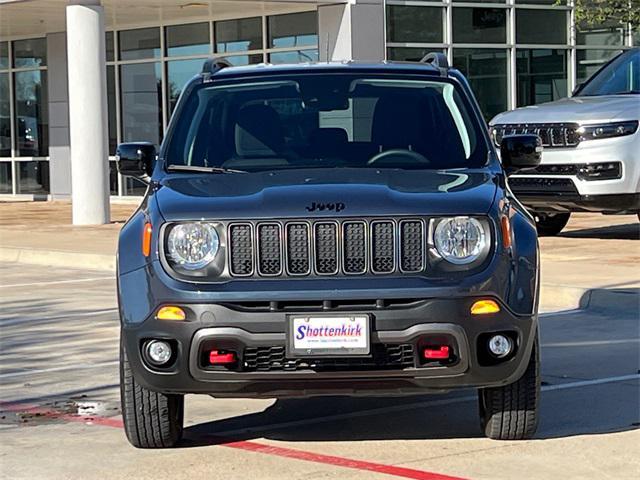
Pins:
<point x="60" y="398"/>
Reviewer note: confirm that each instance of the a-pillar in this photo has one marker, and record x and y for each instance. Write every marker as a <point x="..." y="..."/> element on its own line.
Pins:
<point x="88" y="112"/>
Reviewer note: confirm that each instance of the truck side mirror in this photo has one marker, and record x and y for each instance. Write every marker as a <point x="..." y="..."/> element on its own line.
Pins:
<point x="520" y="152"/>
<point x="136" y="160"/>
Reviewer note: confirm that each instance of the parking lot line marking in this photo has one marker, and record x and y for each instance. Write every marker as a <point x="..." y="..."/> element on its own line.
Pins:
<point x="14" y="321"/>
<point x="56" y="282"/>
<point x="82" y="366"/>
<point x="587" y="383"/>
<point x="593" y="343"/>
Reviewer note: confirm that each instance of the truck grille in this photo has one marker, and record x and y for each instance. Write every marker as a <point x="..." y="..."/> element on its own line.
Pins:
<point x="383" y="357"/>
<point x="553" y="135"/>
<point x="322" y="247"/>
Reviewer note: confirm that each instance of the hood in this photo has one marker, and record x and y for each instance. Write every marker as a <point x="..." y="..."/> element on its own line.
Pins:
<point x="584" y="110"/>
<point x="317" y="193"/>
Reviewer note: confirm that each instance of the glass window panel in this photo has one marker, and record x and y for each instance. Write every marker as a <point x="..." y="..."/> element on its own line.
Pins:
<point x="108" y="38"/>
<point x="541" y="26"/>
<point x="179" y="72"/>
<point x="296" y="56"/>
<point x="540" y="2"/>
<point x="293" y="30"/>
<point x="134" y="187"/>
<point x="604" y="35"/>
<point x="480" y="1"/>
<point x="244" y="59"/>
<point x="111" y="109"/>
<point x="30" y="53"/>
<point x="486" y="70"/>
<point x="409" y="54"/>
<point x="6" y="185"/>
<point x="238" y="35"/>
<point x="5" y="118"/>
<point x="414" y="24"/>
<point x="589" y="61"/>
<point x="141" y="90"/>
<point x="479" y="25"/>
<point x="31" y="110"/>
<point x="139" y="43"/>
<point x="113" y="178"/>
<point x="32" y="177"/>
<point x="192" y="39"/>
<point x="541" y="75"/>
<point x="4" y="54"/>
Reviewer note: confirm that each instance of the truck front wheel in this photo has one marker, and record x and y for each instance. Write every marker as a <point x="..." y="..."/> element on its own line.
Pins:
<point x="551" y="224"/>
<point x="511" y="412"/>
<point x="151" y="419"/>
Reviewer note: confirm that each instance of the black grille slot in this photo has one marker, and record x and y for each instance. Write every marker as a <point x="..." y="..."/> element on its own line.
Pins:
<point x="269" y="249"/>
<point x="383" y="247"/>
<point x="326" y="243"/>
<point x="411" y="246"/>
<point x="383" y="357"/>
<point x="355" y="248"/>
<point x="542" y="186"/>
<point x="241" y="249"/>
<point x="298" y="248"/>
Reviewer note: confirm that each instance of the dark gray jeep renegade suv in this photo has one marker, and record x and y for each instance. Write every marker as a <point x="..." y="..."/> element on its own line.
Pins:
<point x="328" y="229"/>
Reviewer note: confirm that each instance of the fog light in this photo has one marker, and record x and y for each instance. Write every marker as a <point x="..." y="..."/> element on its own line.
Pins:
<point x="158" y="352"/>
<point x="500" y="346"/>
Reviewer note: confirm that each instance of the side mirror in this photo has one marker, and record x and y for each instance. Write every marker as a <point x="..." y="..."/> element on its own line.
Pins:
<point x="136" y="159"/>
<point x="520" y="152"/>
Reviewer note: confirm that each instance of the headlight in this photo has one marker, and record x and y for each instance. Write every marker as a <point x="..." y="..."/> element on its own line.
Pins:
<point x="461" y="240"/>
<point x="607" y="130"/>
<point x="192" y="245"/>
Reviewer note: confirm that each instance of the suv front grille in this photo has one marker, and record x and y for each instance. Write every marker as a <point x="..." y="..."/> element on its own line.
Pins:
<point x="553" y="135"/>
<point x="383" y="357"/>
<point x="322" y="247"/>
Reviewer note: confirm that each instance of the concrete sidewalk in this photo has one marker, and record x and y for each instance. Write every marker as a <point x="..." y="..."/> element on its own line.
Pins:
<point x="595" y="257"/>
<point x="41" y="233"/>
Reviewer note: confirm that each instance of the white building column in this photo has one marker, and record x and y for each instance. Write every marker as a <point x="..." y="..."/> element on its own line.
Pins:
<point x="88" y="112"/>
<point x="352" y="31"/>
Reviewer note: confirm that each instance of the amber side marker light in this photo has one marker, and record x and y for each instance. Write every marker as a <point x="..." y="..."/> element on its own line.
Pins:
<point x="506" y="231"/>
<point x="171" y="312"/>
<point x="484" y="307"/>
<point x="146" y="239"/>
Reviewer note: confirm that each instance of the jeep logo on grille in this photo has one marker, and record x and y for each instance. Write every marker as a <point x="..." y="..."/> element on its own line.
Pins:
<point x="321" y="207"/>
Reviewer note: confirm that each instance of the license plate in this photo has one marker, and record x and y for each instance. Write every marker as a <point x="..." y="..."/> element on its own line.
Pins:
<point x="343" y="335"/>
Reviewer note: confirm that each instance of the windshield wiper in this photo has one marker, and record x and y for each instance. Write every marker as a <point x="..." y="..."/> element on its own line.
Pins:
<point x="193" y="168"/>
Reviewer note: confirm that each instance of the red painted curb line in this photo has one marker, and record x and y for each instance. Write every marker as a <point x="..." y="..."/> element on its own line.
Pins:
<point x="247" y="446"/>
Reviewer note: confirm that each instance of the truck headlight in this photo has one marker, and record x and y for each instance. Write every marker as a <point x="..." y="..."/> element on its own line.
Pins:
<point x="607" y="130"/>
<point x="461" y="240"/>
<point x="192" y="246"/>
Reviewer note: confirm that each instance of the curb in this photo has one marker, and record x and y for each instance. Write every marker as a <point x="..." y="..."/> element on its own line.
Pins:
<point x="59" y="258"/>
<point x="554" y="297"/>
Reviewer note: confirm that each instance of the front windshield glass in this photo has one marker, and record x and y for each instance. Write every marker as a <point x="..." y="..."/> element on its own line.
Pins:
<point x="621" y="76"/>
<point x="324" y="121"/>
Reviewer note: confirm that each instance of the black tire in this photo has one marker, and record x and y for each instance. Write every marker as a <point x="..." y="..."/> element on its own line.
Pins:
<point x="511" y="412"/>
<point x="151" y="419"/>
<point x="551" y="224"/>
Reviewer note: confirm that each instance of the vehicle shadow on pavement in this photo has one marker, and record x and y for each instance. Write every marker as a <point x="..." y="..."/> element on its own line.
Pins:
<point x="630" y="231"/>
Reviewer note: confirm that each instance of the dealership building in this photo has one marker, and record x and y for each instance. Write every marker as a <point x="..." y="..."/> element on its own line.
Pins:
<point x="79" y="77"/>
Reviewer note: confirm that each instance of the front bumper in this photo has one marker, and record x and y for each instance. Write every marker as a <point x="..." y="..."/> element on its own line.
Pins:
<point x="228" y="326"/>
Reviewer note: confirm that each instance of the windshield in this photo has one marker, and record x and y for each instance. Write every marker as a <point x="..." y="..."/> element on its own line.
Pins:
<point x="620" y="76"/>
<point x="326" y="120"/>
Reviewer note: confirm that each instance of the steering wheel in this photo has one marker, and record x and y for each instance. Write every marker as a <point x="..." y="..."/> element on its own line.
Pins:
<point x="397" y="152"/>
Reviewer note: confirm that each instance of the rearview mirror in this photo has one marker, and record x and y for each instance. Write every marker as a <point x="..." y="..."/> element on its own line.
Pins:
<point x="136" y="159"/>
<point x="520" y="152"/>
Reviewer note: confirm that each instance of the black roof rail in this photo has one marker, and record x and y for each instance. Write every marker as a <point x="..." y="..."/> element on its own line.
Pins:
<point x="438" y="60"/>
<point x="215" y="64"/>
